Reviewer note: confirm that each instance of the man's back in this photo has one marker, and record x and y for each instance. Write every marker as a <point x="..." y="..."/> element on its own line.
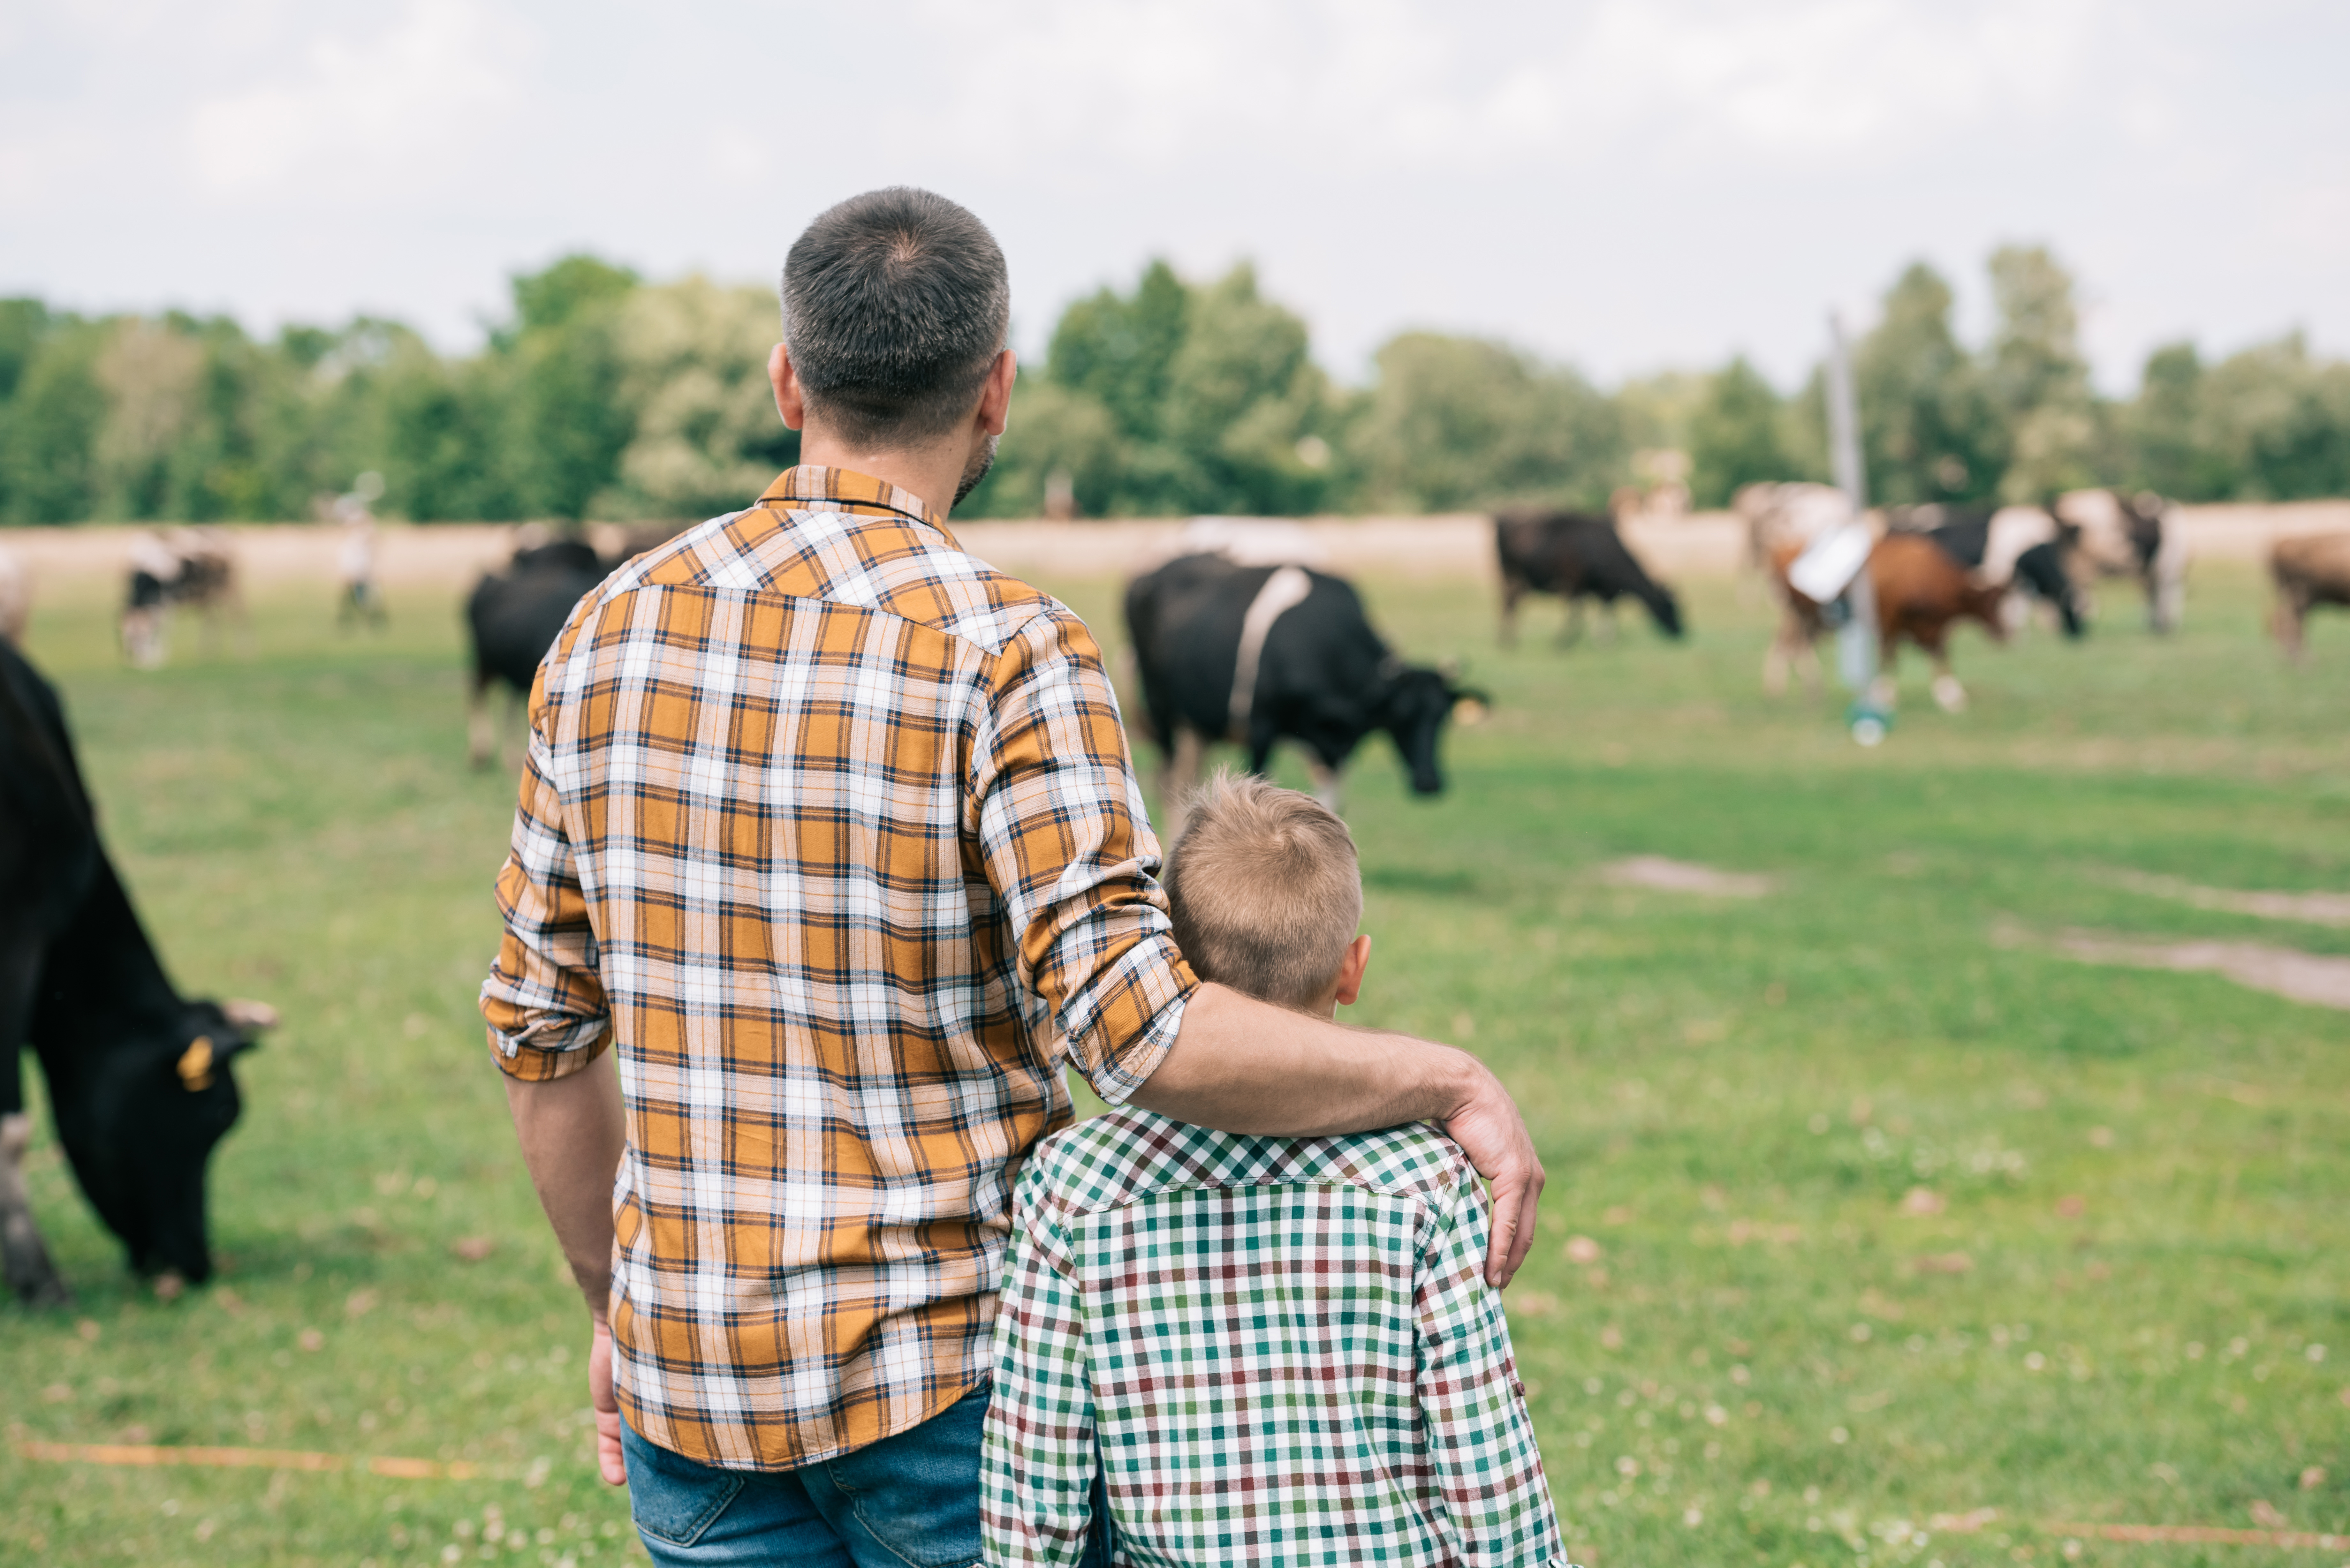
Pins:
<point x="797" y="833"/>
<point x="1283" y="1349"/>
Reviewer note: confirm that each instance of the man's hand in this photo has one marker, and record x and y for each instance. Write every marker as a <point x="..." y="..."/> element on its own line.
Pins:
<point x="609" y="1457"/>
<point x="1493" y="1136"/>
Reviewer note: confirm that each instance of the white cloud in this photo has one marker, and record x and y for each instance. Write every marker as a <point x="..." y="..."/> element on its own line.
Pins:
<point x="391" y="108"/>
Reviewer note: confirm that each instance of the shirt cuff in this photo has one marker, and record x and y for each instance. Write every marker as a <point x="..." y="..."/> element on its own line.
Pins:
<point x="551" y="1048"/>
<point x="1117" y="1079"/>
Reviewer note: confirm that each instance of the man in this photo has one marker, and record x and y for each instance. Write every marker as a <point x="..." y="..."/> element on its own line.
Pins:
<point x="829" y="854"/>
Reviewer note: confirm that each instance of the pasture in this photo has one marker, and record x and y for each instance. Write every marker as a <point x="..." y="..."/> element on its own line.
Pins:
<point x="1869" y="1204"/>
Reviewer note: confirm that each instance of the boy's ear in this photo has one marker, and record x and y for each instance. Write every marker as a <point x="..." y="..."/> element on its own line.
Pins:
<point x="1350" y="970"/>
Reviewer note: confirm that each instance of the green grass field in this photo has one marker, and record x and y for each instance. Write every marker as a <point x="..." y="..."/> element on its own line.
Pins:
<point x="2126" y="1305"/>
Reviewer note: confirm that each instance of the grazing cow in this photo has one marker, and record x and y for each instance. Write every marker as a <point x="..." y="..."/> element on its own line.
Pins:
<point x="515" y="617"/>
<point x="2026" y="548"/>
<point x="2310" y="570"/>
<point x="2132" y="536"/>
<point x="139" y="1079"/>
<point x="190" y="567"/>
<point x="1254" y="654"/>
<point x="1576" y="556"/>
<point x="1919" y="592"/>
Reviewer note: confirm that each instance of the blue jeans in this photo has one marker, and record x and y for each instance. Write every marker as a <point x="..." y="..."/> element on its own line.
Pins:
<point x="908" y="1500"/>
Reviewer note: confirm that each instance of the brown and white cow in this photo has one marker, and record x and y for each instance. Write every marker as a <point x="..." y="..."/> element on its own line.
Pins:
<point x="1921" y="592"/>
<point x="2309" y="570"/>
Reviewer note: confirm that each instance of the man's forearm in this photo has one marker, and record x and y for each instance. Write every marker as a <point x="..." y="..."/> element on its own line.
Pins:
<point x="1242" y="1066"/>
<point x="572" y="1130"/>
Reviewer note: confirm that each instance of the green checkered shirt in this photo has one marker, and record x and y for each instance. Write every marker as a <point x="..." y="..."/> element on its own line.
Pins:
<point x="1276" y="1350"/>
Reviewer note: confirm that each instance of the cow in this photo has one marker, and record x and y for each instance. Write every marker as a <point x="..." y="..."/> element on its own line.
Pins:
<point x="1577" y="556"/>
<point x="2310" y="569"/>
<point x="513" y="617"/>
<point x="2028" y="548"/>
<point x="1920" y="591"/>
<point x="1257" y="654"/>
<point x="2133" y="537"/>
<point x="188" y="566"/>
<point x="139" y="1080"/>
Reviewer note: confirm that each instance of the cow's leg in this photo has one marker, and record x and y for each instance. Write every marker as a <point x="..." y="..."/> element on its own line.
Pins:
<point x="1886" y="690"/>
<point x="23" y="1259"/>
<point x="480" y="737"/>
<point x="1326" y="783"/>
<point x="2291" y="609"/>
<point x="514" y="735"/>
<point x="1948" y="695"/>
<point x="1513" y="589"/>
<point x="1177" y="780"/>
<point x="1572" y="632"/>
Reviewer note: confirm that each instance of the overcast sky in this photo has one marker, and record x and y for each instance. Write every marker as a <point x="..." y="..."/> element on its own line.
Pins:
<point x="1625" y="184"/>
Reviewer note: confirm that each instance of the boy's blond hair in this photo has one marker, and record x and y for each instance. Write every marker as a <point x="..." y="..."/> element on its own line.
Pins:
<point x="1264" y="889"/>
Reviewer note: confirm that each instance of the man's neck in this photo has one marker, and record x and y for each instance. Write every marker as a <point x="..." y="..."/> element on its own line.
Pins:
<point x="933" y="472"/>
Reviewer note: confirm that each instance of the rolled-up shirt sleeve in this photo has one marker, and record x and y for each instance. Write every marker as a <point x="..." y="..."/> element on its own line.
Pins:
<point x="544" y="999"/>
<point x="1068" y="850"/>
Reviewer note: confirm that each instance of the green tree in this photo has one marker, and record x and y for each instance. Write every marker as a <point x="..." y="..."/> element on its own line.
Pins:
<point x="2279" y="421"/>
<point x="2037" y="380"/>
<point x="706" y="437"/>
<point x="2166" y="430"/>
<point x="48" y="447"/>
<point x="1246" y="406"/>
<point x="1463" y="422"/>
<point x="1736" y="435"/>
<point x="1120" y="349"/>
<point x="1928" y="433"/>
<point x="563" y="373"/>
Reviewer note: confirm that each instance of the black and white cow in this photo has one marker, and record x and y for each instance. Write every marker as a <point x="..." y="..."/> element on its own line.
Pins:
<point x="1576" y="556"/>
<point x="139" y="1078"/>
<point x="1258" y="654"/>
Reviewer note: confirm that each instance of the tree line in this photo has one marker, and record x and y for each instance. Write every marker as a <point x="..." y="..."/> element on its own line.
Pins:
<point x="603" y="395"/>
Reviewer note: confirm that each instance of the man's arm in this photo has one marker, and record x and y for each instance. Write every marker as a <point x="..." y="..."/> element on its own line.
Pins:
<point x="1067" y="849"/>
<point x="1242" y="1066"/>
<point x="571" y="1131"/>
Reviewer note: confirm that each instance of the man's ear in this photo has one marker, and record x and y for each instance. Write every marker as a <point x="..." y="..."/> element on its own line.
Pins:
<point x="789" y="404"/>
<point x="996" y="394"/>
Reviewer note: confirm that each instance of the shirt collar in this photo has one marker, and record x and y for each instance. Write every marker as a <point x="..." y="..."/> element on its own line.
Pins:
<point x="795" y="488"/>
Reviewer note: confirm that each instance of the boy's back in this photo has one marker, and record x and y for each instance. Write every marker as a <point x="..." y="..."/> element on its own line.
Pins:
<point x="1283" y="1351"/>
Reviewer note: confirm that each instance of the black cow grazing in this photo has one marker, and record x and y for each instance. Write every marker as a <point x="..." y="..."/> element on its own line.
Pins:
<point x="515" y="617"/>
<point x="1576" y="556"/>
<point x="1256" y="654"/>
<point x="139" y="1079"/>
<point x="2043" y="573"/>
<point x="1962" y="532"/>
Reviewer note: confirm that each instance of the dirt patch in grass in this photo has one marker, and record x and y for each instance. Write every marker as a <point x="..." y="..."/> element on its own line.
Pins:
<point x="2313" y="977"/>
<point x="2310" y="909"/>
<point x="1661" y="875"/>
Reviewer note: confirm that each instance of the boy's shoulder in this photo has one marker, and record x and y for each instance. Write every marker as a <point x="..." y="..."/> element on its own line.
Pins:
<point x="1127" y="1155"/>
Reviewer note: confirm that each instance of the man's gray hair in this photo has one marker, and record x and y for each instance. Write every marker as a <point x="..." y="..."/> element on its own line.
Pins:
<point x="896" y="304"/>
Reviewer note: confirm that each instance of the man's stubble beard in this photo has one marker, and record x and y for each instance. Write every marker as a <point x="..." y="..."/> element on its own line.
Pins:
<point x="982" y="460"/>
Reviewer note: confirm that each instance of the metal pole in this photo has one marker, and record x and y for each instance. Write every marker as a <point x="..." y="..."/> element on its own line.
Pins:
<point x="1857" y="639"/>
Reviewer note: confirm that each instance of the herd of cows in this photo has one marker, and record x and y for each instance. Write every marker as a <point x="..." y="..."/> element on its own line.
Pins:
<point x="1250" y="651"/>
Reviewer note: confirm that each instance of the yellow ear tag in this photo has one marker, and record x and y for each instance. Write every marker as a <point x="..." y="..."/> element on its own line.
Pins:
<point x="196" y="1063"/>
<point x="1469" y="711"/>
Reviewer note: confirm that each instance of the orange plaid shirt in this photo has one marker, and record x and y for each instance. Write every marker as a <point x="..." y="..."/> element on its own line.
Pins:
<point x="833" y="831"/>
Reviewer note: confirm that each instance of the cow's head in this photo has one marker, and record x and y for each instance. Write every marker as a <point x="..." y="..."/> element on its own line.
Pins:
<point x="158" y="1131"/>
<point x="1417" y="703"/>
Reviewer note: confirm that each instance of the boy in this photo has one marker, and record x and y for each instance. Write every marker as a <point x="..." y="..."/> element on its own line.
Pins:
<point x="1258" y="1349"/>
